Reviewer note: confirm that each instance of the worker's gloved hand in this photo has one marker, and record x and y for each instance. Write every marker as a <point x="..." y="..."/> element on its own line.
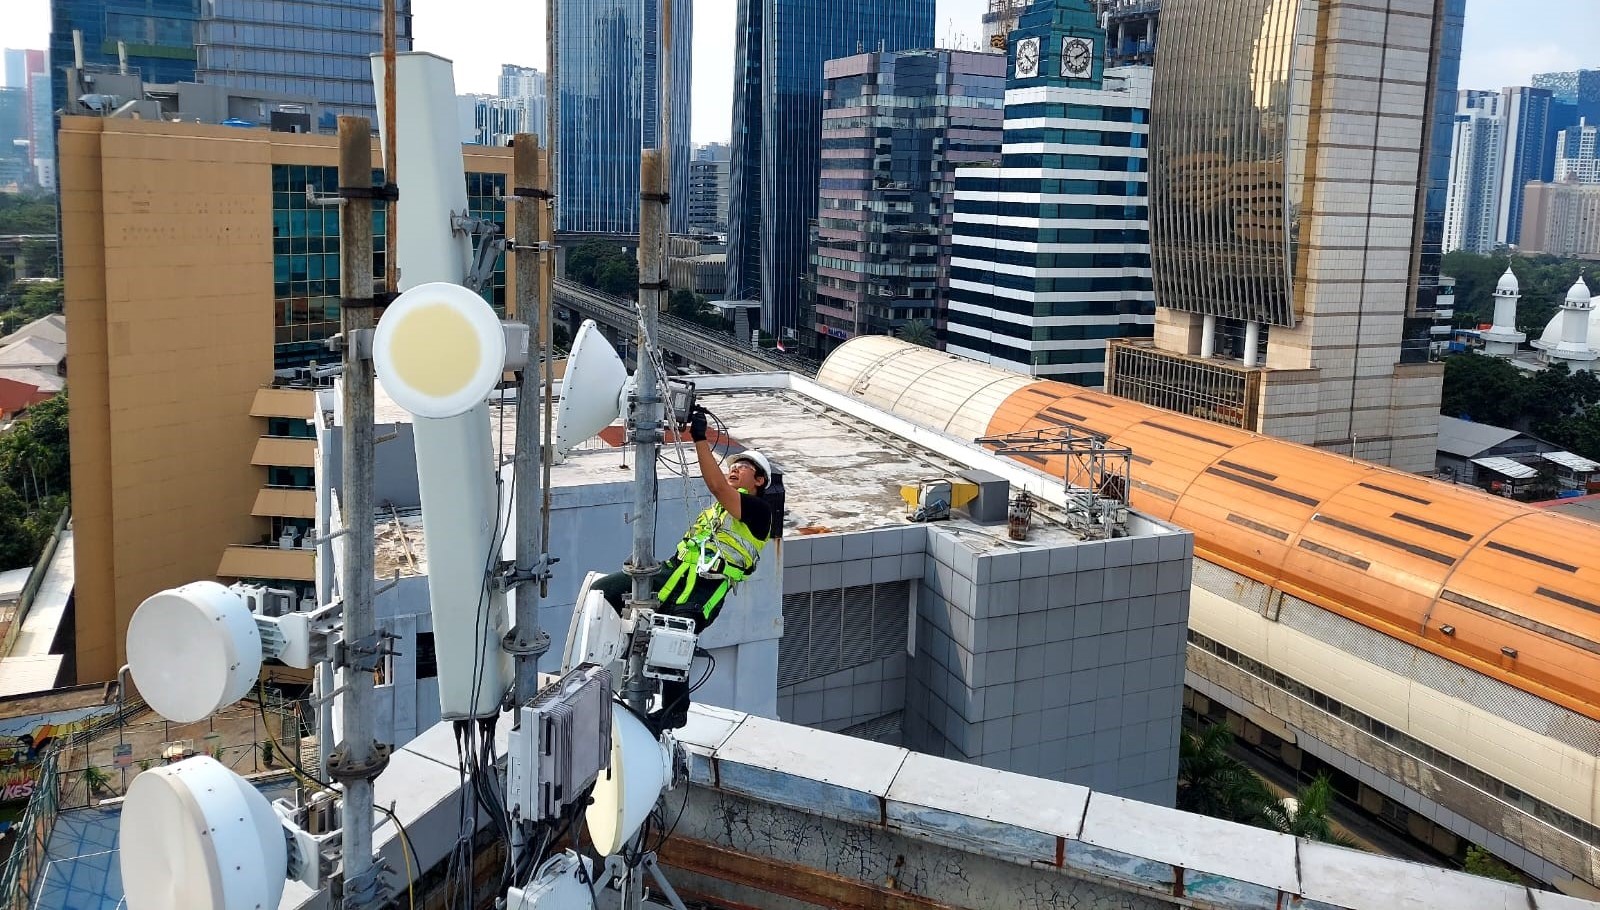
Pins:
<point x="697" y="424"/>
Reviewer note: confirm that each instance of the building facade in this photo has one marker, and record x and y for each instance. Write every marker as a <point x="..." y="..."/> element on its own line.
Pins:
<point x="1527" y="155"/>
<point x="1133" y="28"/>
<point x="27" y="130"/>
<point x="527" y="91"/>
<point x="895" y="126"/>
<point x="1477" y="155"/>
<point x="708" y="190"/>
<point x="319" y="49"/>
<point x="158" y="36"/>
<point x="777" y="121"/>
<point x="1051" y="253"/>
<point x="1292" y="258"/>
<point x="1562" y="219"/>
<point x="188" y="462"/>
<point x="609" y="64"/>
<point x="1577" y="159"/>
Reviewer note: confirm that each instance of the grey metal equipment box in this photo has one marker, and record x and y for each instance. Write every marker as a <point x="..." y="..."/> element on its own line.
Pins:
<point x="994" y="497"/>
<point x="562" y="741"/>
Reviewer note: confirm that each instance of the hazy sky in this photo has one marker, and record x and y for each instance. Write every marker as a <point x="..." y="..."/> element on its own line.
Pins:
<point x="1506" y="41"/>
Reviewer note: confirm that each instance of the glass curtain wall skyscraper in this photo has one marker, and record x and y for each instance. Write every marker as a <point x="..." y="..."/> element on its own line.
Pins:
<point x="609" y="78"/>
<point x="777" y="132"/>
<point x="895" y="127"/>
<point x="318" y="49"/>
<point x="1293" y="171"/>
<point x="159" y="36"/>
<point x="1528" y="154"/>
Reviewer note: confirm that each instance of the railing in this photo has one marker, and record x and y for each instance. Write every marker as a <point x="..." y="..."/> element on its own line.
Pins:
<point x="83" y="768"/>
<point x="719" y="351"/>
<point x="30" y="589"/>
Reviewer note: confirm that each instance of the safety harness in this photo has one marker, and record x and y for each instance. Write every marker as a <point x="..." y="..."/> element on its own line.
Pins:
<point x="717" y="548"/>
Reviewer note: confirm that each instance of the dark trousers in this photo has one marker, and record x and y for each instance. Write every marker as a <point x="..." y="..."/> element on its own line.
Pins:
<point x="618" y="586"/>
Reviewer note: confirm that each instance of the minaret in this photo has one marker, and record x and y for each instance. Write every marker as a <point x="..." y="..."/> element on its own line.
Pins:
<point x="1574" y="347"/>
<point x="1502" y="339"/>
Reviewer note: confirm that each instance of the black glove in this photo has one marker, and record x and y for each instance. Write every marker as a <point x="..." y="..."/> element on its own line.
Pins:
<point x="697" y="424"/>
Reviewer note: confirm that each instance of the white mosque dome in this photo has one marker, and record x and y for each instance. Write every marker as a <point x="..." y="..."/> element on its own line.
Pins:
<point x="1552" y="330"/>
<point x="1508" y="283"/>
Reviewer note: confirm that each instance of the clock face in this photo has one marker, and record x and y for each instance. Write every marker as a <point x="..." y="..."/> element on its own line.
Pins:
<point x="1028" y="58"/>
<point x="1077" y="57"/>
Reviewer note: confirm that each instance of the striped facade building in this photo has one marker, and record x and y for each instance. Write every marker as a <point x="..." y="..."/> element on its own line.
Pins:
<point x="1051" y="256"/>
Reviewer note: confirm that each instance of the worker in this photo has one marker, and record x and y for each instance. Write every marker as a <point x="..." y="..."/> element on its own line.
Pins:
<point x="719" y="550"/>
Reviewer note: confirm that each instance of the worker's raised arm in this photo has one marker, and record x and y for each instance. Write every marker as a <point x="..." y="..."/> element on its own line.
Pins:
<point x="710" y="471"/>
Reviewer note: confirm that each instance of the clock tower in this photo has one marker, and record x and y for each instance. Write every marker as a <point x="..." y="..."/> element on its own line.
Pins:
<point x="1057" y="42"/>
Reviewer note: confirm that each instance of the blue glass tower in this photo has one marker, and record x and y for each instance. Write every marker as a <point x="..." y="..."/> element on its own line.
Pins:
<point x="317" y="49"/>
<point x="1434" y="188"/>
<point x="159" y="36"/>
<point x="793" y="38"/>
<point x="608" y="79"/>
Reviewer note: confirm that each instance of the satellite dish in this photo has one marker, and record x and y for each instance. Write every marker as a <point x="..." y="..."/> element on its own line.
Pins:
<point x="193" y="650"/>
<point x="641" y="767"/>
<point x="197" y="836"/>
<point x="593" y="390"/>
<point x="439" y="350"/>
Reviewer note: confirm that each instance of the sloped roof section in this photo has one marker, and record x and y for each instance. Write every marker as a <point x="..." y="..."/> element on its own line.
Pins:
<point x="1466" y="439"/>
<point x="1401" y="554"/>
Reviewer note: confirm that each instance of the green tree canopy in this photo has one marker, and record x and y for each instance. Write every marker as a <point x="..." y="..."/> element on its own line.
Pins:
<point x="27" y="213"/>
<point x="919" y="332"/>
<point x="604" y="266"/>
<point x="35" y="481"/>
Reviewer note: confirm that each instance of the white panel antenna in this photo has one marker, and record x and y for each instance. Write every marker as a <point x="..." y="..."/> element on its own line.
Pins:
<point x="594" y="390"/>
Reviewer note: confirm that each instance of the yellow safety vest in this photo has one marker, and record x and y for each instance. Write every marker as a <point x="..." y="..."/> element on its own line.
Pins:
<point x="718" y="548"/>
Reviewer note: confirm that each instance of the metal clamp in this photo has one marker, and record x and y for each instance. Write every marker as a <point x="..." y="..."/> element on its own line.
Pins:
<point x="388" y="192"/>
<point x="518" y="643"/>
<point x="342" y="768"/>
<point x="361" y="340"/>
<point x="366" y="654"/>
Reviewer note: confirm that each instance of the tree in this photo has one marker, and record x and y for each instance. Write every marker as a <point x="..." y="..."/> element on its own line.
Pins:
<point x="34" y="460"/>
<point x="1481" y="389"/>
<point x="1482" y="862"/>
<point x="919" y="332"/>
<point x="1213" y="782"/>
<point x="604" y="266"/>
<point x="39" y="259"/>
<point x="686" y="304"/>
<point x="27" y="213"/>
<point x="1309" y="814"/>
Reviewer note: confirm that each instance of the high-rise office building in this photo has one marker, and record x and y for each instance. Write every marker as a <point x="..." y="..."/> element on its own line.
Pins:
<point x="157" y="35"/>
<point x="1477" y="153"/>
<point x="1527" y="154"/>
<point x="708" y="190"/>
<point x="1291" y="253"/>
<point x="1562" y="219"/>
<point x="777" y="122"/>
<point x="318" y="49"/>
<point x="1580" y="88"/>
<point x="28" y="130"/>
<point x="528" y="89"/>
<point x="895" y="126"/>
<point x="609" y="54"/>
<point x="998" y="21"/>
<point x="1132" y="30"/>
<point x="1576" y="158"/>
<point x="1051" y="254"/>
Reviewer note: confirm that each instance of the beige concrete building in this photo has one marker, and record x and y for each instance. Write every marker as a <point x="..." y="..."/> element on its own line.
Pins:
<point x="194" y="271"/>
<point x="1562" y="219"/>
<point x="1287" y="246"/>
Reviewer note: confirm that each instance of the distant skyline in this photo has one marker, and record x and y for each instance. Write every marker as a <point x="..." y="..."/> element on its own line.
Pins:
<point x="1506" y="42"/>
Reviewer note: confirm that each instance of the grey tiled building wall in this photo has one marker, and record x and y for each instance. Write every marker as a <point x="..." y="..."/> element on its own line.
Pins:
<point x="1063" y="661"/>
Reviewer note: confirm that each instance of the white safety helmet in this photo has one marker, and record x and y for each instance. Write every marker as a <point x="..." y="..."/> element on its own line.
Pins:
<point x="755" y="458"/>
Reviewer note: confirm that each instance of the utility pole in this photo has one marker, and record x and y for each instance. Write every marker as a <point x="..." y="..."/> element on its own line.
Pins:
<point x="359" y="758"/>
<point x="647" y="410"/>
<point x="526" y="641"/>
